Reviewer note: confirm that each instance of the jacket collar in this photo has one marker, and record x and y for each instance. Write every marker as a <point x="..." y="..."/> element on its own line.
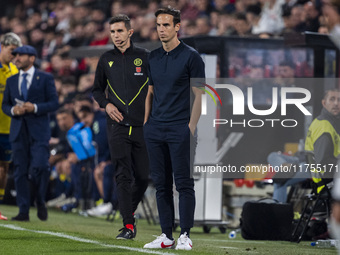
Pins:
<point x="127" y="51"/>
<point x="334" y="120"/>
<point x="174" y="51"/>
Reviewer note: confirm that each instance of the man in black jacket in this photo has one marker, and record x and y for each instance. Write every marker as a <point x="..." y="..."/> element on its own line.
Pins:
<point x="122" y="72"/>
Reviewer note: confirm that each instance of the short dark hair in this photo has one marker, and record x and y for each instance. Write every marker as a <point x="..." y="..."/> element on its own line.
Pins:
<point x="325" y="95"/>
<point x="241" y="16"/>
<point x="176" y="14"/>
<point x="86" y="109"/>
<point x="254" y="9"/>
<point x="83" y="97"/>
<point x="121" y="18"/>
<point x="63" y="110"/>
<point x="66" y="80"/>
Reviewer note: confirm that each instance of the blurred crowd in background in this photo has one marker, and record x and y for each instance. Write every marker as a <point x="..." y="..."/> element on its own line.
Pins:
<point x="54" y="27"/>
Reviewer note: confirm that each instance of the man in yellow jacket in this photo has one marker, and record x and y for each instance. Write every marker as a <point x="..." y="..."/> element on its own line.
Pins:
<point x="9" y="42"/>
<point x="331" y="10"/>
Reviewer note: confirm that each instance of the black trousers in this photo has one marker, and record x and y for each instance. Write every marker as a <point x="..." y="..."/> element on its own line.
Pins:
<point x="128" y="151"/>
<point x="169" y="153"/>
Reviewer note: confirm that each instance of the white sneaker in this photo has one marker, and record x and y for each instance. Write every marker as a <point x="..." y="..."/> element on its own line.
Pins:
<point x="100" y="210"/>
<point x="56" y="201"/>
<point x="184" y="242"/>
<point x="60" y="201"/>
<point x="161" y="242"/>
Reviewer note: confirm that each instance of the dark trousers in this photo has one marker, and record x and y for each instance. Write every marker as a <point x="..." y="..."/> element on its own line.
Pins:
<point x="169" y="155"/>
<point x="128" y="152"/>
<point x="82" y="180"/>
<point x="109" y="186"/>
<point x="30" y="158"/>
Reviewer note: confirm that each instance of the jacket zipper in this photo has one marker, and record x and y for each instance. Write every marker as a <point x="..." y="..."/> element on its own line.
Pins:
<point x="126" y="87"/>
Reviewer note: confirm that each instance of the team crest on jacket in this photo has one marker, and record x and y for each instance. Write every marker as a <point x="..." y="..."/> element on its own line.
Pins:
<point x="138" y="62"/>
<point x="138" y="70"/>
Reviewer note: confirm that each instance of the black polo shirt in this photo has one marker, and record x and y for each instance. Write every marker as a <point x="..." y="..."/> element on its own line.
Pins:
<point x="170" y="73"/>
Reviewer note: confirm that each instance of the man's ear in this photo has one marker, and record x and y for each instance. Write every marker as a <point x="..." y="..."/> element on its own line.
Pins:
<point x="32" y="58"/>
<point x="177" y="27"/>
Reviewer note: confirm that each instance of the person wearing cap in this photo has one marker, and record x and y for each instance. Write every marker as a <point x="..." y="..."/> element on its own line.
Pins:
<point x="9" y="42"/>
<point x="29" y="97"/>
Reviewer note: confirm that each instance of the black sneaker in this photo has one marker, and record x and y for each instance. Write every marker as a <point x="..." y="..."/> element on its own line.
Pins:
<point x="21" y="217"/>
<point x="42" y="213"/>
<point x="125" y="234"/>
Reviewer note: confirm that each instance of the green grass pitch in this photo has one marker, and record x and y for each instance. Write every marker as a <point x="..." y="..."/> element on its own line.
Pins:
<point x="73" y="234"/>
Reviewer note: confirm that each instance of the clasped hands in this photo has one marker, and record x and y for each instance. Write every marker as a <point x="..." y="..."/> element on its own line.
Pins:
<point x="21" y="109"/>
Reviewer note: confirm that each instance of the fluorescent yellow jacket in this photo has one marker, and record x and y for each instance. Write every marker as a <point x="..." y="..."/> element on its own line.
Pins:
<point x="5" y="72"/>
<point x="319" y="127"/>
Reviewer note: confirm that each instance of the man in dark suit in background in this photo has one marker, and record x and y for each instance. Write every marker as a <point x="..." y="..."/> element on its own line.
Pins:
<point x="28" y="98"/>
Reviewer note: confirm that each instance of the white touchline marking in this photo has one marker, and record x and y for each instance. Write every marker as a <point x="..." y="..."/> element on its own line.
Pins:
<point x="83" y="240"/>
